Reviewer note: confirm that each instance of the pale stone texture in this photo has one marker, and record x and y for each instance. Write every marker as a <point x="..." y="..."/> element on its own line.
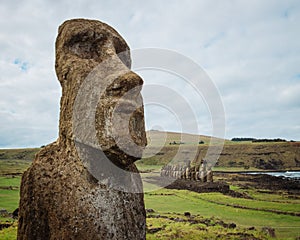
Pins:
<point x="71" y="190"/>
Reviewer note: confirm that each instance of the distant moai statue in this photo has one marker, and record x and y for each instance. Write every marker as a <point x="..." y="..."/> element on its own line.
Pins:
<point x="173" y="174"/>
<point x="176" y="171"/>
<point x="170" y="171"/>
<point x="163" y="171"/>
<point x="197" y="169"/>
<point x="193" y="173"/>
<point x="209" y="174"/>
<point x="177" y="175"/>
<point x="203" y="173"/>
<point x="184" y="171"/>
<point x="188" y="170"/>
<point x="167" y="171"/>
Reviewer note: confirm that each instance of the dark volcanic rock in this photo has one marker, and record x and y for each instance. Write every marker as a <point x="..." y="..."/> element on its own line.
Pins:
<point x="150" y="210"/>
<point x="154" y="230"/>
<point x="4" y="225"/>
<point x="15" y="213"/>
<point x="199" y="187"/>
<point x="4" y="213"/>
<point x="187" y="214"/>
<point x="85" y="185"/>
<point x="269" y="231"/>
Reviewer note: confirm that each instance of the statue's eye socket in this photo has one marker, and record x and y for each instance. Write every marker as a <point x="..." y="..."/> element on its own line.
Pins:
<point x="86" y="45"/>
<point x="90" y="45"/>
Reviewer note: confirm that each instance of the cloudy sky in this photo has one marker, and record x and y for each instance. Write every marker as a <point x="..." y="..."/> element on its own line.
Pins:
<point x="249" y="49"/>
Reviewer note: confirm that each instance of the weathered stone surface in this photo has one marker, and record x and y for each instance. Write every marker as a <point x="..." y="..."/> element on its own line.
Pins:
<point x="85" y="185"/>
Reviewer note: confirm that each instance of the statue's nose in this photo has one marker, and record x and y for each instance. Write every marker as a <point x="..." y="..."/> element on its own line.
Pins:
<point x="129" y="83"/>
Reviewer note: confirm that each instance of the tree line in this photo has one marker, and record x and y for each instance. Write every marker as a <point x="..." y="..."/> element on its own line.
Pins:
<point x="258" y="140"/>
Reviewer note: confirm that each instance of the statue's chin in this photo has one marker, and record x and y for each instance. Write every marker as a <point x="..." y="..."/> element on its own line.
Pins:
<point x="120" y="158"/>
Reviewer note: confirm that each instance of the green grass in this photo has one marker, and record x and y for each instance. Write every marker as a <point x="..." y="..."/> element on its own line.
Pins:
<point x="9" y="199"/>
<point x="269" y="196"/>
<point x="186" y="230"/>
<point x="250" y="203"/>
<point x="9" y="192"/>
<point x="179" y="201"/>
<point x="235" y="169"/>
<point x="9" y="233"/>
<point x="148" y="167"/>
<point x="10" y="181"/>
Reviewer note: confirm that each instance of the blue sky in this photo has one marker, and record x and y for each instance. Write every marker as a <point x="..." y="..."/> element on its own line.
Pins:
<point x="22" y="65"/>
<point x="250" y="50"/>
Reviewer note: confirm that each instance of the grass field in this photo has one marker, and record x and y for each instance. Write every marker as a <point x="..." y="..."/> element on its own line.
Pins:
<point x="177" y="226"/>
<point x="178" y="201"/>
<point x="9" y="192"/>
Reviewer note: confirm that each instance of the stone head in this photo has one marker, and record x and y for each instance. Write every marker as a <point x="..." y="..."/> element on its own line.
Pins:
<point x="101" y="103"/>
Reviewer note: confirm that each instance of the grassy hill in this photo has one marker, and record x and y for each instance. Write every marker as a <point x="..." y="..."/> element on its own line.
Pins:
<point x="16" y="161"/>
<point x="164" y="146"/>
<point x="266" y="156"/>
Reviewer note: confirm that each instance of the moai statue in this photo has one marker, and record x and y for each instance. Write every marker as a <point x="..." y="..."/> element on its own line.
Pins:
<point x="197" y="172"/>
<point x="165" y="170"/>
<point x="209" y="175"/>
<point x="85" y="185"/>
<point x="203" y="173"/>
<point x="162" y="171"/>
<point x="187" y="173"/>
<point x="184" y="172"/>
<point x="193" y="173"/>
<point x="173" y="171"/>
<point x="188" y="170"/>
<point x="177" y="171"/>
<point x="168" y="172"/>
<point x="174" y="175"/>
<point x="181" y="171"/>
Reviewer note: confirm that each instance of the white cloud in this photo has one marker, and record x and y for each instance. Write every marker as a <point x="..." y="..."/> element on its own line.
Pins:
<point x="249" y="48"/>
